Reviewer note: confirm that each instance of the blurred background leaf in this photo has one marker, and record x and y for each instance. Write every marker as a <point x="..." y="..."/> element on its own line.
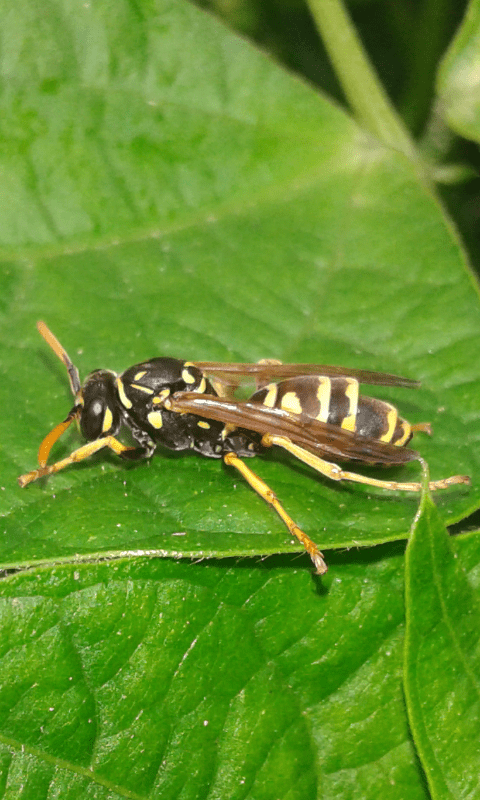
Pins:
<point x="458" y="88"/>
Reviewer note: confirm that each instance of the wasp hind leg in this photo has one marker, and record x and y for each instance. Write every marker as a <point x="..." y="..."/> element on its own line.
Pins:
<point x="424" y="427"/>
<point x="232" y="460"/>
<point x="335" y="473"/>
<point x="77" y="455"/>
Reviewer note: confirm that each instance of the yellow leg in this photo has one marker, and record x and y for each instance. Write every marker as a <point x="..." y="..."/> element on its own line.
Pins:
<point x="77" y="455"/>
<point x="51" y="438"/>
<point x="266" y="493"/>
<point x="335" y="473"/>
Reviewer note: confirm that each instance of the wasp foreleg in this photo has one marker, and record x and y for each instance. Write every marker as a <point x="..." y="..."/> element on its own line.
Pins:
<point x="77" y="455"/>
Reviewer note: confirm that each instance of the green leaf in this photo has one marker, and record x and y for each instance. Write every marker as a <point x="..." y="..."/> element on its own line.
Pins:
<point x="170" y="200"/>
<point x="367" y="98"/>
<point x="151" y="678"/>
<point x="154" y="678"/>
<point x="442" y="664"/>
<point x="458" y="87"/>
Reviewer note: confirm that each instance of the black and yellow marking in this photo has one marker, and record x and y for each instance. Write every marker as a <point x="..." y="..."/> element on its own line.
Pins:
<point x="155" y="419"/>
<point x="140" y="388"/>
<point x="121" y="393"/>
<point x="161" y="397"/>
<point x="351" y="393"/>
<point x="291" y="402"/>
<point x="323" y="396"/>
<point x="337" y="401"/>
<point x="188" y="374"/>
<point x="379" y="420"/>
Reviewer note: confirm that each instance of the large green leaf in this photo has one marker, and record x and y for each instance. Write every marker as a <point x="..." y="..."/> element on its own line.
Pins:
<point x="160" y="679"/>
<point x="442" y="666"/>
<point x="172" y="191"/>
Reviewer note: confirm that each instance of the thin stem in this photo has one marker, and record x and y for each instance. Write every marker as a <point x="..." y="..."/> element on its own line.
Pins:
<point x="359" y="81"/>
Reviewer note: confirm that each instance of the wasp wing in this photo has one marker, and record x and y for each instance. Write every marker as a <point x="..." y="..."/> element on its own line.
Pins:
<point x="234" y="374"/>
<point x="319" y="438"/>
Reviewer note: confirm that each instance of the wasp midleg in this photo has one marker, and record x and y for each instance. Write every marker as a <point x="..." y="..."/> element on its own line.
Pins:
<point x="271" y="498"/>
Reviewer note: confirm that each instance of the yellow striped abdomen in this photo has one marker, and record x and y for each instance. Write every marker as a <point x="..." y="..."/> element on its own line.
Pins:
<point x="337" y="401"/>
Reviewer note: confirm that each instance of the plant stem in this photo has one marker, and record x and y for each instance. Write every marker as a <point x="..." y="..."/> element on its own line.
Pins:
<point x="358" y="78"/>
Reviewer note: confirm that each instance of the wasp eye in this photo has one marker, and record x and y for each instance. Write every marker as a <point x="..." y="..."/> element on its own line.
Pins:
<point x="91" y="421"/>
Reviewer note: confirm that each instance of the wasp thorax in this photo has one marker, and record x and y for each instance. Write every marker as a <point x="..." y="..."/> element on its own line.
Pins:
<point x="156" y="376"/>
<point x="99" y="414"/>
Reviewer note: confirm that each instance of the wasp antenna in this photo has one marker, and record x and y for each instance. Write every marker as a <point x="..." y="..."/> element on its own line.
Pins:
<point x="57" y="348"/>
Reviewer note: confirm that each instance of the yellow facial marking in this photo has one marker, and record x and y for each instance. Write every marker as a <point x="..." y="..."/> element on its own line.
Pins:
<point x="271" y="395"/>
<point x="140" y="375"/>
<point x="351" y="393"/>
<point x="187" y="376"/>
<point x="121" y="393"/>
<point x="290" y="402"/>
<point x="392" y="417"/>
<point x="155" y="419"/>
<point x="107" y="420"/>
<point x="161" y="397"/>
<point x="202" y="424"/>
<point x="323" y="396"/>
<point x="144" y="389"/>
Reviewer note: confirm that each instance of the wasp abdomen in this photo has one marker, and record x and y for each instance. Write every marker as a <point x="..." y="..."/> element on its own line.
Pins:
<point x="380" y="420"/>
<point x="337" y="401"/>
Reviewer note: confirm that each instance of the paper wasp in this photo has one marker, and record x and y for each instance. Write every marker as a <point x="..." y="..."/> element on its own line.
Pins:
<point x="315" y="412"/>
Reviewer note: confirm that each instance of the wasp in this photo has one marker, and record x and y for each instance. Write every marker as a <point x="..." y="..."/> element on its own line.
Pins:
<point x="313" y="411"/>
